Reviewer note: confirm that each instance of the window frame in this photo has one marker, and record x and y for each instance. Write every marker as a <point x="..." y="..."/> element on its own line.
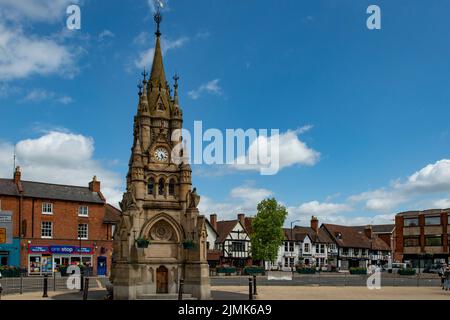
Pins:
<point x="432" y="224"/>
<point x="410" y="219"/>
<point x="411" y="237"/>
<point x="49" y="213"/>
<point x="87" y="231"/>
<point x="434" y="237"/>
<point x="46" y="229"/>
<point x="87" y="211"/>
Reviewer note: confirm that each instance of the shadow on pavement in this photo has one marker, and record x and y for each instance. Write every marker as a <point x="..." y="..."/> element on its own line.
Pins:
<point x="226" y="295"/>
<point x="94" y="295"/>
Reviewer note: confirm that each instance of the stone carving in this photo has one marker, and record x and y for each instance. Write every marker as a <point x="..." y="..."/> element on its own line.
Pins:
<point x="192" y="199"/>
<point x="162" y="231"/>
<point x="129" y="200"/>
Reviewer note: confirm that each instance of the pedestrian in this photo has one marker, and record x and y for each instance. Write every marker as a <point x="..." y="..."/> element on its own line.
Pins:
<point x="441" y="275"/>
<point x="447" y="279"/>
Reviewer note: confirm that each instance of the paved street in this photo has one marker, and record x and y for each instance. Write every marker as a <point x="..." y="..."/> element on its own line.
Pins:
<point x="332" y="293"/>
<point x="331" y="279"/>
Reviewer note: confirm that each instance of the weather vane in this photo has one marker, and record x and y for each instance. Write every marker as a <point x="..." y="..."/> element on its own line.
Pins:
<point x="158" y="16"/>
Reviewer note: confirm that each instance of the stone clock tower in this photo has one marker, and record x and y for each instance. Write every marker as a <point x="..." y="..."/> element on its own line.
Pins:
<point x="159" y="205"/>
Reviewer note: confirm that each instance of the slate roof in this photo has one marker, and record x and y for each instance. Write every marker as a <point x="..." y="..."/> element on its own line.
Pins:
<point x="50" y="191"/>
<point x="354" y="237"/>
<point x="8" y="187"/>
<point x="224" y="228"/>
<point x="379" y="228"/>
<point x="321" y="236"/>
<point x="112" y="214"/>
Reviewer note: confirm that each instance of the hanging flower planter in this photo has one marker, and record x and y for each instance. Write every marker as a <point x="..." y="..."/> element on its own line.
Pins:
<point x="188" y="244"/>
<point x="142" y="243"/>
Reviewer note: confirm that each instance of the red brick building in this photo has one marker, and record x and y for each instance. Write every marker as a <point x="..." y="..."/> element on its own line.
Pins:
<point x="59" y="225"/>
<point x="422" y="237"/>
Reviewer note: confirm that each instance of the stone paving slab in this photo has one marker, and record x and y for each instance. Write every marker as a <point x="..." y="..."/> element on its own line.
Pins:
<point x="334" y="293"/>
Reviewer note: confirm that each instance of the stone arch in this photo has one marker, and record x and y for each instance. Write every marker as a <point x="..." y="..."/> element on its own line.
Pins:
<point x="165" y="221"/>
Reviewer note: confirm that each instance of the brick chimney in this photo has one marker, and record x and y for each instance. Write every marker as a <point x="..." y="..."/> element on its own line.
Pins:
<point x="94" y="185"/>
<point x="368" y="231"/>
<point x="213" y="220"/>
<point x="241" y="218"/>
<point x="17" y="176"/>
<point x="315" y="224"/>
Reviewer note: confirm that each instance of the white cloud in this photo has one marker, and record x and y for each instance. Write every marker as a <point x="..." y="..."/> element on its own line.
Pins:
<point x="23" y="55"/>
<point x="242" y="199"/>
<point x="63" y="158"/>
<point x="39" y="95"/>
<point x="42" y="10"/>
<point x="290" y="151"/>
<point x="105" y="34"/>
<point x="319" y="208"/>
<point x="145" y="57"/>
<point x="433" y="178"/>
<point x="441" y="204"/>
<point x="211" y="87"/>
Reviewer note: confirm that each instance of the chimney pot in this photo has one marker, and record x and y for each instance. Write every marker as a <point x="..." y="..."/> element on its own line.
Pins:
<point x="315" y="224"/>
<point x="241" y="218"/>
<point x="368" y="231"/>
<point x="94" y="185"/>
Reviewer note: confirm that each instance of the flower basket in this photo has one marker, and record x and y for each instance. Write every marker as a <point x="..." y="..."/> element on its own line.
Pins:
<point x="306" y="270"/>
<point x="188" y="244"/>
<point x="251" y="270"/>
<point x="142" y="243"/>
<point x="407" y="272"/>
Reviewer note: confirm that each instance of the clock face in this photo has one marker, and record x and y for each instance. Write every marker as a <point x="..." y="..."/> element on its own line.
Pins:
<point x="161" y="154"/>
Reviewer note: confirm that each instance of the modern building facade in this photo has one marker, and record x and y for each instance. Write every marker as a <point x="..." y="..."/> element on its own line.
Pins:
<point x="422" y="237"/>
<point x="55" y="226"/>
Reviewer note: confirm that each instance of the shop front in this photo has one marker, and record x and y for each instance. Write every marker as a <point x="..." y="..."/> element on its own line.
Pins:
<point x="49" y="259"/>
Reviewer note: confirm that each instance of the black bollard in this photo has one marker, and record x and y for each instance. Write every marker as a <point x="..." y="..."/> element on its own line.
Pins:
<point x="45" y="295"/>
<point x="180" y="290"/>
<point x="86" y="289"/>
<point x="81" y="282"/>
<point x="1" y="290"/>
<point x="255" y="292"/>
<point x="250" y="289"/>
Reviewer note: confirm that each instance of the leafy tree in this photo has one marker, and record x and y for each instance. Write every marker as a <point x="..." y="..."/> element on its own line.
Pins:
<point x="268" y="230"/>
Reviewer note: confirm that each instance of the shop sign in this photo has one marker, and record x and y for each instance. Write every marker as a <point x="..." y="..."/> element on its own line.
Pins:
<point x="60" y="250"/>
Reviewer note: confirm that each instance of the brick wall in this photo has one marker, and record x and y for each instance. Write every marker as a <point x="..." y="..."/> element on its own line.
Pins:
<point x="65" y="221"/>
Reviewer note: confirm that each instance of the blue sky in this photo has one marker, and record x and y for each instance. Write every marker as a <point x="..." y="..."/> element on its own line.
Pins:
<point x="375" y="101"/>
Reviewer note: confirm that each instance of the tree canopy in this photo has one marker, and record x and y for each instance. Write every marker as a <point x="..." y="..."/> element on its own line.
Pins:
<point x="268" y="230"/>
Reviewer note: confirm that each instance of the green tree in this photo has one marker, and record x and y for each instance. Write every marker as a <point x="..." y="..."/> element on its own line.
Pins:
<point x="267" y="228"/>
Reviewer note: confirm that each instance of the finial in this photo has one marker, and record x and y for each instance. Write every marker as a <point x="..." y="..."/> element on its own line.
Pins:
<point x="158" y="19"/>
<point x="176" y="78"/>
<point x="144" y="74"/>
<point x="140" y="89"/>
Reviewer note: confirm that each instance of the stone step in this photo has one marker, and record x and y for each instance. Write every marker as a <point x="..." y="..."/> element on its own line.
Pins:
<point x="164" y="296"/>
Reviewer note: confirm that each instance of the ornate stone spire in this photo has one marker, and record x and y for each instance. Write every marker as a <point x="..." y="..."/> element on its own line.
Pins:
<point x="157" y="75"/>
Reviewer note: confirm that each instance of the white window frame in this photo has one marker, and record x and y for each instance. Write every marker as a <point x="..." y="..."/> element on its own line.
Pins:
<point x="44" y="204"/>
<point x="51" y="230"/>
<point x="87" y="231"/>
<point x="80" y="214"/>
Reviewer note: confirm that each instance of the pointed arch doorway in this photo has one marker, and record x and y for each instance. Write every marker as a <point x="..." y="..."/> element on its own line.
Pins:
<point x="162" y="280"/>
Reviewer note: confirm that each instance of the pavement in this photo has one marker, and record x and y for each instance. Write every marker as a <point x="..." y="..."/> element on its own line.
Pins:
<point x="276" y="293"/>
<point x="331" y="293"/>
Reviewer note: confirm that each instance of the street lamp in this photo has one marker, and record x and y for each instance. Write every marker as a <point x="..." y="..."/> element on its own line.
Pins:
<point x="293" y="246"/>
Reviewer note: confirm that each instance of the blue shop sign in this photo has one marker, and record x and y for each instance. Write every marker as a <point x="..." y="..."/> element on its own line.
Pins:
<point x="60" y="250"/>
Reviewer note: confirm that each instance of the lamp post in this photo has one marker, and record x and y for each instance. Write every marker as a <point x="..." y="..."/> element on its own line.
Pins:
<point x="293" y="246"/>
